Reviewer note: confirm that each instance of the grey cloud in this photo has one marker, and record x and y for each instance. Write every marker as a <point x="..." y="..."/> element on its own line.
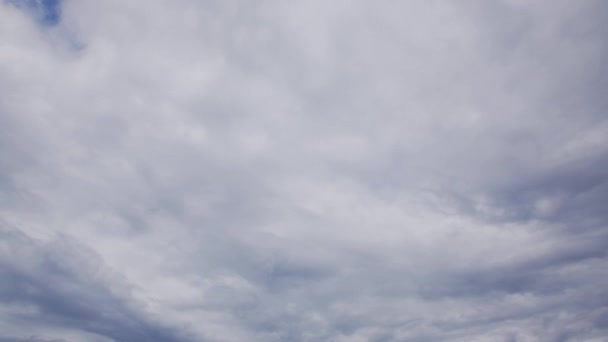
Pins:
<point x="344" y="171"/>
<point x="65" y="285"/>
<point x="33" y="339"/>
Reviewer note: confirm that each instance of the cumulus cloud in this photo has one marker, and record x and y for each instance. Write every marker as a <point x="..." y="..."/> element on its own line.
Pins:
<point x="274" y="171"/>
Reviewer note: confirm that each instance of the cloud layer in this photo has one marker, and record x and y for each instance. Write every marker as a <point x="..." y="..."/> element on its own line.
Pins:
<point x="306" y="171"/>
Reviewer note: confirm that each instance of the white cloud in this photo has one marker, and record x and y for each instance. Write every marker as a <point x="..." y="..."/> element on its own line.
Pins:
<point x="306" y="171"/>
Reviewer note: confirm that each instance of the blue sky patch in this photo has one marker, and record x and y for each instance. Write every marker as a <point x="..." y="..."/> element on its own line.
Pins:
<point x="46" y="12"/>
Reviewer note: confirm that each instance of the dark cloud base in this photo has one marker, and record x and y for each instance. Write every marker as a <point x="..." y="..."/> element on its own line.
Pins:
<point x="64" y="285"/>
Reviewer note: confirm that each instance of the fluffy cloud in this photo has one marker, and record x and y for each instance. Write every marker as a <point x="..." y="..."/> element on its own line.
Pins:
<point x="268" y="171"/>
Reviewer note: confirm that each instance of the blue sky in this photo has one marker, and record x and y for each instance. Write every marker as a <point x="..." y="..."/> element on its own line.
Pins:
<point x="46" y="12"/>
<point x="303" y="171"/>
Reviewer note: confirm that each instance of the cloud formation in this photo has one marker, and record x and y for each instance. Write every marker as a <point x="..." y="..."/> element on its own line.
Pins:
<point x="306" y="171"/>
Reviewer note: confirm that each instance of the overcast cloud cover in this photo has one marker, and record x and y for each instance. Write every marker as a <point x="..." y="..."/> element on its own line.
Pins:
<point x="206" y="170"/>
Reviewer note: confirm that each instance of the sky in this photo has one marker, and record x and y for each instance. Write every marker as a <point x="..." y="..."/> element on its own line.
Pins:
<point x="206" y="170"/>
